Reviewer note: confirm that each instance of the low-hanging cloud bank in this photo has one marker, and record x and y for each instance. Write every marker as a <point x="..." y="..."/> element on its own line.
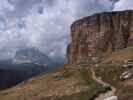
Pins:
<point x="123" y="5"/>
<point x="44" y="23"/>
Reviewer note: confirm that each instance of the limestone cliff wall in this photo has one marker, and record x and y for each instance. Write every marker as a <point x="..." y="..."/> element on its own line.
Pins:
<point x="99" y="33"/>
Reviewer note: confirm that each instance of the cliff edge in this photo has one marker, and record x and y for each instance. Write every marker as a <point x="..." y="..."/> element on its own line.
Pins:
<point x="100" y="33"/>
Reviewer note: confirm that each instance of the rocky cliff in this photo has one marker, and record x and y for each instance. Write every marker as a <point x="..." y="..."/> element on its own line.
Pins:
<point x="100" y="33"/>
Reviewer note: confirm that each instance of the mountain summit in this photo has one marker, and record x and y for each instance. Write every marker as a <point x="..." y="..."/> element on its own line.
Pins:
<point x="32" y="55"/>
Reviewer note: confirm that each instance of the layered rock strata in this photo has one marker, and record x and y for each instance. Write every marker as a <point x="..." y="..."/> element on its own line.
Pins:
<point x="100" y="33"/>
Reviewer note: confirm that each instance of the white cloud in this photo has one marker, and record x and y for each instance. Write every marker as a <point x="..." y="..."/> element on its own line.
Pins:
<point x="45" y="24"/>
<point x="5" y="6"/>
<point x="124" y="5"/>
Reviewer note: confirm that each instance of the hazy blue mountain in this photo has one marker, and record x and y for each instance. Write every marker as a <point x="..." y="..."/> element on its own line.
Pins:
<point x="25" y="64"/>
<point x="32" y="55"/>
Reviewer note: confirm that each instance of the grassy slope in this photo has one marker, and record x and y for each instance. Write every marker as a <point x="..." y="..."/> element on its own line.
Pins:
<point x="94" y="88"/>
<point x="110" y="73"/>
<point x="119" y="55"/>
<point x="69" y="82"/>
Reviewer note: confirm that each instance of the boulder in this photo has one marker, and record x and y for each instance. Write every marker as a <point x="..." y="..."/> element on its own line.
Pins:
<point x="112" y="98"/>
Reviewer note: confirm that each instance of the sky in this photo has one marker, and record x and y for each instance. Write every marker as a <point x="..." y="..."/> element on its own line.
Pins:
<point x="45" y="24"/>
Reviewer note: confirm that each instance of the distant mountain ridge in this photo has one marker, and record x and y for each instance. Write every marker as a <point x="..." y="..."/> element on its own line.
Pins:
<point x="26" y="63"/>
<point x="31" y="55"/>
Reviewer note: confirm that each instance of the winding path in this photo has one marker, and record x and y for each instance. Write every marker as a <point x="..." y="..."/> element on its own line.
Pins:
<point x="103" y="96"/>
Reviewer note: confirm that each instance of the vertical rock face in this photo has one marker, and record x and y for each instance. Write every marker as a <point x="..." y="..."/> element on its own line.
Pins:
<point x="99" y="33"/>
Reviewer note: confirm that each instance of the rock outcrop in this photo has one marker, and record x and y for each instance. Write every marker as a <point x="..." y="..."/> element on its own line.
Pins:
<point x="100" y="33"/>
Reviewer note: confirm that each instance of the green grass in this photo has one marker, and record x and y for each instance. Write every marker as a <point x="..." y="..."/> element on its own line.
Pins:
<point x="94" y="87"/>
<point x="110" y="73"/>
<point x="78" y="96"/>
<point x="126" y="93"/>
